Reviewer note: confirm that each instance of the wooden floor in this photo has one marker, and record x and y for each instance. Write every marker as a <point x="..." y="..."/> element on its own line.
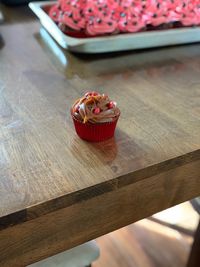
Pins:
<point x="144" y="244"/>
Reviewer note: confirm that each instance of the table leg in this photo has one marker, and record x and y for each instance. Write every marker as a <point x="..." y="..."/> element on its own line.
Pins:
<point x="194" y="258"/>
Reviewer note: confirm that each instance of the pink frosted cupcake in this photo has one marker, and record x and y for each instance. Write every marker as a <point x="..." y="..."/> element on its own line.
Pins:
<point x="95" y="117"/>
<point x="99" y="18"/>
<point x="189" y="16"/>
<point x="99" y="26"/>
<point x="69" y="17"/>
<point x="129" y="17"/>
<point x="156" y="13"/>
<point x="55" y="13"/>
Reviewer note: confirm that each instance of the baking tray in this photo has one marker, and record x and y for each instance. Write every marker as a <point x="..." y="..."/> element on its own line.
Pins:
<point x="117" y="42"/>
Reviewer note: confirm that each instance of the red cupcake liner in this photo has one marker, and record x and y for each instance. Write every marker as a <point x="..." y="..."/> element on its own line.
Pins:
<point x="95" y="132"/>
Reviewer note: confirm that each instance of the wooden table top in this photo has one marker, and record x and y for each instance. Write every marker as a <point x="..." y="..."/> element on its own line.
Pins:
<point x="46" y="168"/>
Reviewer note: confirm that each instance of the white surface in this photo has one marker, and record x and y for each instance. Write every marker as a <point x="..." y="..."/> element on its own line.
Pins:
<point x="182" y="215"/>
<point x="116" y="42"/>
<point x="79" y="256"/>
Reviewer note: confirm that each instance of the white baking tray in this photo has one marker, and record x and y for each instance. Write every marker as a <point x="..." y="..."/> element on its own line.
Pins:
<point x="118" y="42"/>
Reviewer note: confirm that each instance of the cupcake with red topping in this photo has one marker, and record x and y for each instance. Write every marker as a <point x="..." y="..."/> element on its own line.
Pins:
<point x="95" y="117"/>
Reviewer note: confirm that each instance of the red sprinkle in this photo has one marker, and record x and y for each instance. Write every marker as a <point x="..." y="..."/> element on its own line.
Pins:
<point x="111" y="105"/>
<point x="96" y="110"/>
<point x="94" y="93"/>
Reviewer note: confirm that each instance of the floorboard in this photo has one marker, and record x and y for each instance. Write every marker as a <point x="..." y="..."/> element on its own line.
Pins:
<point x="145" y="244"/>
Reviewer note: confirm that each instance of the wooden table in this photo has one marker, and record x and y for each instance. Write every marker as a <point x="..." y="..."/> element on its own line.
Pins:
<point x="57" y="191"/>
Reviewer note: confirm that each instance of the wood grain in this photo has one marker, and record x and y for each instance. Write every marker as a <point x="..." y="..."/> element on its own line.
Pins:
<point x="50" y="180"/>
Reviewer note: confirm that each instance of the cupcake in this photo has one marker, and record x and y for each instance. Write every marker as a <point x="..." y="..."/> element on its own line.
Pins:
<point x="95" y="117"/>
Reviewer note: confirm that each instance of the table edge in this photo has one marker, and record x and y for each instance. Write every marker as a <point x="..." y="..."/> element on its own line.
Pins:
<point x="40" y="209"/>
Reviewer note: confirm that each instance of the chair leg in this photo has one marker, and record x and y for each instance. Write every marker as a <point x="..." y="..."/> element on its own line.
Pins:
<point x="194" y="258"/>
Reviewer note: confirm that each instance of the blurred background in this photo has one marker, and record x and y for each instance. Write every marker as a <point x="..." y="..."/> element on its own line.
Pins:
<point x="165" y="239"/>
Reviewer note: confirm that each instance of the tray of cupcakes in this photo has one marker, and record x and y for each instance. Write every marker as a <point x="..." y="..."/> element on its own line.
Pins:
<point x="98" y="26"/>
